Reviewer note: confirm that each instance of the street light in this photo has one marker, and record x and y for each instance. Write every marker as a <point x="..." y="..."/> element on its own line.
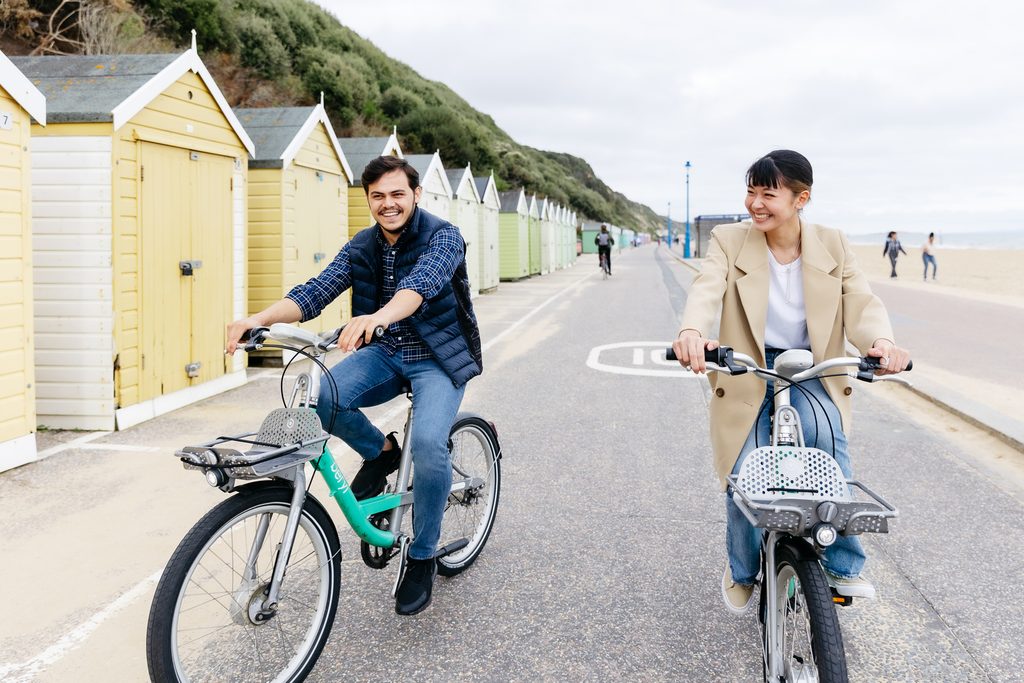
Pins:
<point x="686" y="244"/>
<point x="668" y="221"/>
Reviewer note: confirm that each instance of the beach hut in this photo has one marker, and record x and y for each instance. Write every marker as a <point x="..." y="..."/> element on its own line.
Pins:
<point x="437" y="192"/>
<point x="563" y="236"/>
<point x="513" y="235"/>
<point x="139" y="229"/>
<point x="546" y="209"/>
<point x="20" y="103"/>
<point x="359" y="152"/>
<point x="298" y="206"/>
<point x="489" y="222"/>
<point x="535" y="236"/>
<point x="465" y="215"/>
<point x="589" y="232"/>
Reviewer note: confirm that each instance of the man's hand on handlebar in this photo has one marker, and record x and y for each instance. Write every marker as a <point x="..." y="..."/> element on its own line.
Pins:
<point x="689" y="348"/>
<point x="892" y="358"/>
<point x="361" y="330"/>
<point x="236" y="330"/>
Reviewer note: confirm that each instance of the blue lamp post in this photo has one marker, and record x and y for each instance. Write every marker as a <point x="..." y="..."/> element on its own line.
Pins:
<point x="686" y="243"/>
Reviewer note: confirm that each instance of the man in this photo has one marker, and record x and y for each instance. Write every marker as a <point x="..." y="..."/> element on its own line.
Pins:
<point x="408" y="274"/>
<point x="604" y="242"/>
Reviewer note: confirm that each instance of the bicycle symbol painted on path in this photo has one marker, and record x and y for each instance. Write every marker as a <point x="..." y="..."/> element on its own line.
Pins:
<point x="642" y="358"/>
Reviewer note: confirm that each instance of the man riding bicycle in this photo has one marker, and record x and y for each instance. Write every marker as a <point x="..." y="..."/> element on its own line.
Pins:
<point x="604" y="242"/>
<point x="408" y="275"/>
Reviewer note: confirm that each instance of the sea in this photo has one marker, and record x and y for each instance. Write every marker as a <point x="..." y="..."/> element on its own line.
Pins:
<point x="978" y="239"/>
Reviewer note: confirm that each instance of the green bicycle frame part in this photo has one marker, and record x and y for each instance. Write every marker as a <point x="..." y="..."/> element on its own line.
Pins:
<point x="355" y="511"/>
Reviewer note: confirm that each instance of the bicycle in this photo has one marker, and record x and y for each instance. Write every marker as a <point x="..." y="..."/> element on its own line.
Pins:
<point x="801" y="499"/>
<point x="605" y="269"/>
<point x="252" y="590"/>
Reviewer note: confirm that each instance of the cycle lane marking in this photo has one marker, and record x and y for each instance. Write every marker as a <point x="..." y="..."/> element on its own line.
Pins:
<point x="638" y="358"/>
<point x="76" y="636"/>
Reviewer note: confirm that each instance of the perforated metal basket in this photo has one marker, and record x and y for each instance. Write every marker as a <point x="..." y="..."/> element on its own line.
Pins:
<point x="780" y="488"/>
<point x="288" y="436"/>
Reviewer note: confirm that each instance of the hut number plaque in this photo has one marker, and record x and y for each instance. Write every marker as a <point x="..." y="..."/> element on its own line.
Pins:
<point x="5" y="120"/>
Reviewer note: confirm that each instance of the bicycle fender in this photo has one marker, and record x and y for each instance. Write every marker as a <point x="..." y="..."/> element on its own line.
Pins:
<point x="483" y="423"/>
<point x="800" y="547"/>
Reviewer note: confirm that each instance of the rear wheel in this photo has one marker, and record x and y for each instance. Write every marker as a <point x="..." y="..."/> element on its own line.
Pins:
<point x="206" y="622"/>
<point x="469" y="513"/>
<point x="808" y="638"/>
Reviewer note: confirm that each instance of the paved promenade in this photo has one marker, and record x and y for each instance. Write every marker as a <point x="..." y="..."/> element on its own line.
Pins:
<point x="605" y="560"/>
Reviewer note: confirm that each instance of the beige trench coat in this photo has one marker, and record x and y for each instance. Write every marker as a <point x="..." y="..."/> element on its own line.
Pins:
<point x="734" y="281"/>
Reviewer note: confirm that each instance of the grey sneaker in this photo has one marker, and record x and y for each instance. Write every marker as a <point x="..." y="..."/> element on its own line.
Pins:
<point x="737" y="596"/>
<point x="858" y="587"/>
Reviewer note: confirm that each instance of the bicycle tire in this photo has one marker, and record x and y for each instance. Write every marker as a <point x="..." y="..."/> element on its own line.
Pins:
<point x="470" y="514"/>
<point x="808" y="628"/>
<point x="209" y="561"/>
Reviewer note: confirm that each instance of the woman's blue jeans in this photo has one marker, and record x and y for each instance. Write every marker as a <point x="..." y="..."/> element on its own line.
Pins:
<point x="929" y="258"/>
<point x="372" y="376"/>
<point x="743" y="540"/>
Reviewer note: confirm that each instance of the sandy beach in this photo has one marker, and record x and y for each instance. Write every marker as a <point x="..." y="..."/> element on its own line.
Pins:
<point x="985" y="274"/>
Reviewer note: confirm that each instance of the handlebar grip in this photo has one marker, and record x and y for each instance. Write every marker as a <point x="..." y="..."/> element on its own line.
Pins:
<point x="719" y="356"/>
<point x="870" y="364"/>
<point x="378" y="331"/>
<point x="252" y="338"/>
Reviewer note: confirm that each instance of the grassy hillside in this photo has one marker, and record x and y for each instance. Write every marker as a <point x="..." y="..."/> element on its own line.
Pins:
<point x="284" y="52"/>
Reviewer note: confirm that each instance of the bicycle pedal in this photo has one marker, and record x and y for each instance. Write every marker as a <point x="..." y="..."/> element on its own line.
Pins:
<point x="841" y="600"/>
<point x="453" y="547"/>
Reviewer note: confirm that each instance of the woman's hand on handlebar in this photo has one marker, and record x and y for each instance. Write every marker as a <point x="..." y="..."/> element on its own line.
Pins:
<point x="360" y="331"/>
<point x="689" y="347"/>
<point x="892" y="358"/>
<point x="236" y="330"/>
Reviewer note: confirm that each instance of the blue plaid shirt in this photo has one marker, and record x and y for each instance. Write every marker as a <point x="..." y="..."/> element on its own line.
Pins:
<point x="433" y="270"/>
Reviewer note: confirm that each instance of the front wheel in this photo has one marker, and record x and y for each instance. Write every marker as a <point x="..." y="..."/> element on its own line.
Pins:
<point x="808" y="642"/>
<point x="469" y="514"/>
<point x="206" y="622"/>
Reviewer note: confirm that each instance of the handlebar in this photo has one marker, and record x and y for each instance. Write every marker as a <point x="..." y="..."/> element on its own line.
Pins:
<point x="724" y="359"/>
<point x="255" y="338"/>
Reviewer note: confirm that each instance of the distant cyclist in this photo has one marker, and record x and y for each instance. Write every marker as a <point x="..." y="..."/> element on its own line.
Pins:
<point x="604" y="242"/>
<point x="780" y="283"/>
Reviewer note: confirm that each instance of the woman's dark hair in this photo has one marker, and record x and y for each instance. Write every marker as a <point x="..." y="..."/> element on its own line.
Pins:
<point x="782" y="167"/>
<point x="386" y="164"/>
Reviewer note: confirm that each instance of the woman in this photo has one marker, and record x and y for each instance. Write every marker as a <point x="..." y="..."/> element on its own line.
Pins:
<point x="781" y="283"/>
<point x="928" y="255"/>
<point x="892" y="249"/>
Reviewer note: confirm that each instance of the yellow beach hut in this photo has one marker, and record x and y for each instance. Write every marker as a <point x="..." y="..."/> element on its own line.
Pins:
<point x="489" y="211"/>
<point x="298" y="205"/>
<point x="359" y="152"/>
<point x="20" y="103"/>
<point x="465" y="216"/>
<point x="138" y="222"/>
<point x="514" y="235"/>
<point x="536" y="249"/>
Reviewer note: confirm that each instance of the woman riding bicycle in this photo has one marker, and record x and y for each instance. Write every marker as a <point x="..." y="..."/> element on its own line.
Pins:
<point x="780" y="284"/>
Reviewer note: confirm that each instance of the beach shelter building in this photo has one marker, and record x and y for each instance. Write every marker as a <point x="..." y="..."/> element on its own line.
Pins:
<point x="465" y="215"/>
<point x="513" y="235"/>
<point x="139" y="231"/>
<point x="489" y="221"/>
<point x="437" y="191"/>
<point x="359" y="152"/>
<point x="536" y="249"/>
<point x="298" y="205"/>
<point x="546" y="209"/>
<point x="589" y="232"/>
<point x="20" y="104"/>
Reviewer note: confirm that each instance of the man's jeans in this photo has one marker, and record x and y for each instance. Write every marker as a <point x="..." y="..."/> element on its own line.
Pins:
<point x="370" y="377"/>
<point x="743" y="541"/>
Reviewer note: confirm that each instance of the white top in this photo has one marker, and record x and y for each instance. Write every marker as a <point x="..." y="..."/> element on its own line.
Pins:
<point x="786" y="325"/>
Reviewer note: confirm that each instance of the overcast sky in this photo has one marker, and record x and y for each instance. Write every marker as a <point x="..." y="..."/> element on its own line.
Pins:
<point x="912" y="113"/>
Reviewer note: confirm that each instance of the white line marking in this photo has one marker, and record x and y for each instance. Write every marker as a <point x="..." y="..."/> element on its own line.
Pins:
<point x="638" y="356"/>
<point x="677" y="371"/>
<point x="124" y="447"/>
<point x="77" y="636"/>
<point x="22" y="673"/>
<point x="74" y="443"/>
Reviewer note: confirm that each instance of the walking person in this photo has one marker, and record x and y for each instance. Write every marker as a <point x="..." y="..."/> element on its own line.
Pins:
<point x="928" y="255"/>
<point x="892" y="249"/>
<point x="772" y="284"/>
<point x="408" y="275"/>
<point x="604" y="242"/>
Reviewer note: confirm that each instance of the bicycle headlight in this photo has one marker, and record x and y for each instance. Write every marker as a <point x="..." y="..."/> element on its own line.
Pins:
<point x="825" y="535"/>
<point x="216" y="478"/>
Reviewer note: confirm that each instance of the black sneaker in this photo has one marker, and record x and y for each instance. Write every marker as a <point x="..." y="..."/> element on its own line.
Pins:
<point x="413" y="594"/>
<point x="372" y="477"/>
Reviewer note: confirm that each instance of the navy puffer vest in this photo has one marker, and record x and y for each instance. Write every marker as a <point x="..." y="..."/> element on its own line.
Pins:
<point x="446" y="323"/>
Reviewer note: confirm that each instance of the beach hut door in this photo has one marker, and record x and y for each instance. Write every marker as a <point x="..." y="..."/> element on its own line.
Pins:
<point x="185" y="228"/>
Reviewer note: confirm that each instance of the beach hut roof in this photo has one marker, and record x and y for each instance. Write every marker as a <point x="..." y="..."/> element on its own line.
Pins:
<point x="361" y="151"/>
<point x="425" y="164"/>
<point x="114" y="88"/>
<point x="21" y="89"/>
<point x="513" y="201"/>
<point x="485" y="187"/>
<point x="280" y="132"/>
<point x="460" y="178"/>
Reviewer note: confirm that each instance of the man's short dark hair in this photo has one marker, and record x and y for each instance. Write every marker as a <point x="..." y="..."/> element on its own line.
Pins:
<point x="381" y="166"/>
